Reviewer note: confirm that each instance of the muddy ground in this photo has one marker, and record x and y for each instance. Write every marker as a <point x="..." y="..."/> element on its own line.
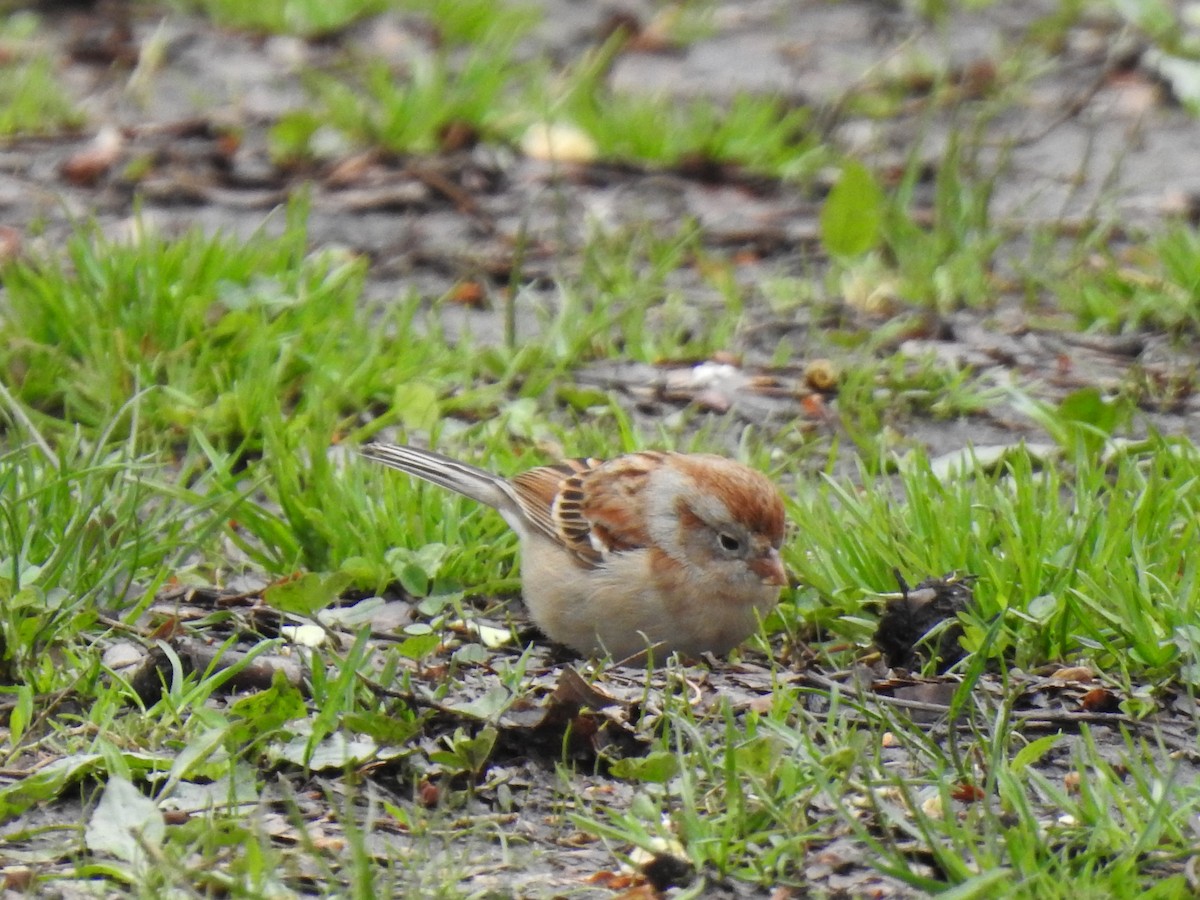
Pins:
<point x="1095" y="140"/>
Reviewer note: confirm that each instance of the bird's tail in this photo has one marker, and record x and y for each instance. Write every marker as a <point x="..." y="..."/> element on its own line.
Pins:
<point x="443" y="471"/>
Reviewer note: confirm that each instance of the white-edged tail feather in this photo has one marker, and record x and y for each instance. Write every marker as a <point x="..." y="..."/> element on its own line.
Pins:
<point x="482" y="486"/>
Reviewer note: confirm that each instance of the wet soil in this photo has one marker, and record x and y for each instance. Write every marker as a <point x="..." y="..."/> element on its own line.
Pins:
<point x="1090" y="139"/>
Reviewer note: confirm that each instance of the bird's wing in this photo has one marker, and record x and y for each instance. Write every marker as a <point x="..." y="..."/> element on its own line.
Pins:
<point x="593" y="507"/>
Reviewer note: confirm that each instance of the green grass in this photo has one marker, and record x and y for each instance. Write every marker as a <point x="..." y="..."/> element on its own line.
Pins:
<point x="308" y="18"/>
<point x="203" y="450"/>
<point x="756" y="796"/>
<point x="405" y="112"/>
<point x="478" y="80"/>
<point x="476" y="22"/>
<point x="32" y="101"/>
<point x="461" y="23"/>
<point x="251" y="352"/>
<point x="219" y="332"/>
<point x="1156" y="288"/>
<point x="182" y="413"/>
<point x="762" y="134"/>
<point x="1087" y="562"/>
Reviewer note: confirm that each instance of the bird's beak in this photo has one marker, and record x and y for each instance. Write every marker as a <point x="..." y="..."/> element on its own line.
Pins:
<point x="769" y="568"/>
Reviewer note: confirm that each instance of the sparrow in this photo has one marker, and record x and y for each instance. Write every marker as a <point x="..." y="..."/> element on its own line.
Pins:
<point x="648" y="553"/>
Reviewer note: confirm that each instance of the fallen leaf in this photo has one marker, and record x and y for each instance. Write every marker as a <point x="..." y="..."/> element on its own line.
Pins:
<point x="1100" y="700"/>
<point x="334" y="752"/>
<point x="613" y="881"/>
<point x="572" y="688"/>
<point x="18" y="878"/>
<point x="1077" y="674"/>
<point x="87" y="166"/>
<point x="469" y="293"/>
<point x="352" y="169"/>
<point x="965" y="792"/>
<point x="124" y="822"/>
<point x="123" y="655"/>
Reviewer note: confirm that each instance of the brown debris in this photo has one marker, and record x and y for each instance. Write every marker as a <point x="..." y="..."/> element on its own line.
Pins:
<point x="469" y="293"/>
<point x="156" y="670"/>
<point x="87" y="166"/>
<point x="10" y="244"/>
<point x="722" y="385"/>
<point x="1100" y="700"/>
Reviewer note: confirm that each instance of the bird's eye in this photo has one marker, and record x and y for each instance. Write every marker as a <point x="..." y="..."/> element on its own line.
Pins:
<point x="729" y="542"/>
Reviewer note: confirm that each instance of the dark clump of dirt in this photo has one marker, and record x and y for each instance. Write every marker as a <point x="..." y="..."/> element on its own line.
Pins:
<point x="922" y="625"/>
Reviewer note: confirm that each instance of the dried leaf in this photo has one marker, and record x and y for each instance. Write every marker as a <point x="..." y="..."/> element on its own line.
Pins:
<point x="86" y="167"/>
<point x="572" y="688"/>
<point x="1100" y="700"/>
<point x="1077" y="674"/>
<point x="124" y="821"/>
<point x="965" y="792"/>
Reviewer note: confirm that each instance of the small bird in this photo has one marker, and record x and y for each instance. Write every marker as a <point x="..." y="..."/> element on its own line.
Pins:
<point x="647" y="552"/>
